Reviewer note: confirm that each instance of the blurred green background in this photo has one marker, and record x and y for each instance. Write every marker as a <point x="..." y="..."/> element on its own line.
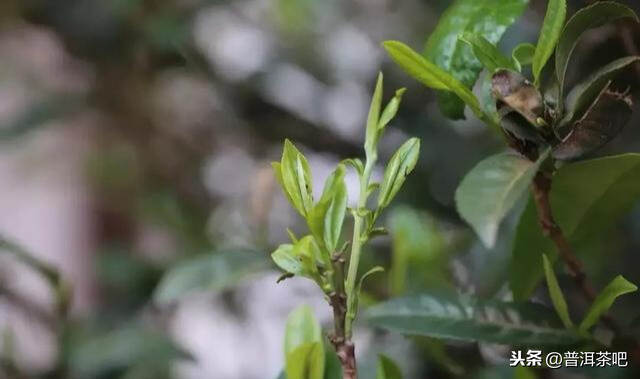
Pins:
<point x="135" y="141"/>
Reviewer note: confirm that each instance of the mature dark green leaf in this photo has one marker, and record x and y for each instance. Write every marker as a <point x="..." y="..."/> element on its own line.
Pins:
<point x="306" y="362"/>
<point x="523" y="54"/>
<point x="99" y="353"/>
<point x="463" y="318"/>
<point x="593" y="16"/>
<point x="549" y="35"/>
<point x="418" y="248"/>
<point x="302" y="327"/>
<point x="487" y="53"/>
<point x="491" y="189"/>
<point x="585" y="93"/>
<point x="387" y="369"/>
<point x="372" y="134"/>
<point x="602" y="122"/>
<point x="485" y="18"/>
<point x="429" y="74"/>
<point x="618" y="286"/>
<point x="557" y="298"/>
<point x="399" y="167"/>
<point x="587" y="197"/>
<point x="207" y="273"/>
<point x="327" y="216"/>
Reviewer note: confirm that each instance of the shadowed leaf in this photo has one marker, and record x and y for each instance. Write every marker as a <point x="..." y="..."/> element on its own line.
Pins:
<point x="463" y="318"/>
<point x="491" y="189"/>
<point x="587" y="198"/>
<point x="590" y="17"/>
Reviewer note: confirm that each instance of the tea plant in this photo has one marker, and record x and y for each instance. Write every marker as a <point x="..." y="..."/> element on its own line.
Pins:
<point x="321" y="255"/>
<point x="523" y="97"/>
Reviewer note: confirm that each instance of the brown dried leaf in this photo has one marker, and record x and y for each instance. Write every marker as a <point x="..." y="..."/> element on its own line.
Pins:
<point x="604" y="120"/>
<point x="514" y="90"/>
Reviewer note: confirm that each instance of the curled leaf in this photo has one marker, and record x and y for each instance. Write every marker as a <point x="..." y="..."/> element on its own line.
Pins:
<point x="583" y="95"/>
<point x="512" y="89"/>
<point x="522" y="54"/>
<point x="301" y="258"/>
<point x="355" y="163"/>
<point x="601" y="123"/>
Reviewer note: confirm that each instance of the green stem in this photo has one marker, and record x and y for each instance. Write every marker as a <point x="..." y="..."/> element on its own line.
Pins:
<point x="356" y="246"/>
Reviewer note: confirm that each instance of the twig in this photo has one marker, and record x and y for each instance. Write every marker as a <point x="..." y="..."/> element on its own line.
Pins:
<point x="541" y="188"/>
<point x="340" y="340"/>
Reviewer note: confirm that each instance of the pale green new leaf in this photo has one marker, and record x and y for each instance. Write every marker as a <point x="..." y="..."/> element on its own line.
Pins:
<point x="587" y="198"/>
<point x="549" y="35"/>
<point x="327" y="216"/>
<point x="306" y="362"/>
<point x="302" y="328"/>
<point x="372" y="134"/>
<point x="522" y="54"/>
<point x="557" y="298"/>
<point x="491" y="189"/>
<point x="387" y="369"/>
<point x="399" y="167"/>
<point x="332" y="366"/>
<point x="295" y="177"/>
<point x="391" y="109"/>
<point x="460" y="317"/>
<point x="487" y="53"/>
<point x="590" y="17"/>
<point x="618" y="286"/>
<point x="353" y="303"/>
<point x="430" y="75"/>
<point x="285" y="257"/>
<point x="355" y="163"/>
<point x="486" y="18"/>
<point x="301" y="258"/>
